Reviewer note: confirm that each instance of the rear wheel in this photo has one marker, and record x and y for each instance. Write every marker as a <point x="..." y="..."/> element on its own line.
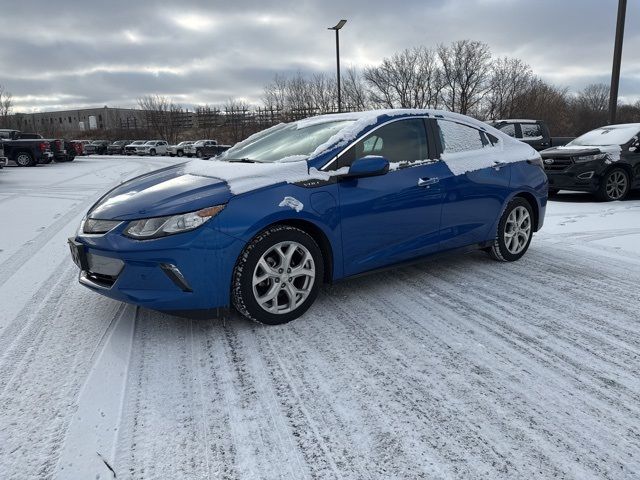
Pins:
<point x="277" y="276"/>
<point x="515" y="230"/>
<point x="180" y="153"/>
<point x="614" y="186"/>
<point x="25" y="159"/>
<point x="152" y="152"/>
<point x="199" y="153"/>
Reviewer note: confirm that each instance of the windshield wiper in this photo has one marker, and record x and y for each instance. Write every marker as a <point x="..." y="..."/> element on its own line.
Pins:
<point x="243" y="160"/>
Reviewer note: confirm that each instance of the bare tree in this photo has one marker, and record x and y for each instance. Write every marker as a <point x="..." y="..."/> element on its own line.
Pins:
<point x="163" y="117"/>
<point x="510" y="77"/>
<point x="354" y="91"/>
<point x="589" y="108"/>
<point x="6" y="105"/>
<point x="275" y="93"/>
<point x="324" y="92"/>
<point x="545" y="102"/>
<point x="466" y="65"/>
<point x="408" y="79"/>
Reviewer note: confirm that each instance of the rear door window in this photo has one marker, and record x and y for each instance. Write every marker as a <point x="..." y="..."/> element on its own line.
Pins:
<point x="456" y="137"/>
<point x="531" y="131"/>
<point x="509" y="129"/>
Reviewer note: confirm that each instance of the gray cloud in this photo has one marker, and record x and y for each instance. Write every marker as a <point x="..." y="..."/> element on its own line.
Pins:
<point x="209" y="51"/>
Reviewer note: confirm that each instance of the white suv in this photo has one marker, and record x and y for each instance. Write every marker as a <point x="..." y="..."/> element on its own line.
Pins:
<point x="152" y="147"/>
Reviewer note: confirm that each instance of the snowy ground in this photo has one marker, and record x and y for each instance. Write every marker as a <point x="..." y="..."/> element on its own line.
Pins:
<point x="457" y="367"/>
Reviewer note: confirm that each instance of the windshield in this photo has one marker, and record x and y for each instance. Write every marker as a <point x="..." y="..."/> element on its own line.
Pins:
<point x="607" y="136"/>
<point x="199" y="143"/>
<point x="185" y="143"/>
<point x="284" y="141"/>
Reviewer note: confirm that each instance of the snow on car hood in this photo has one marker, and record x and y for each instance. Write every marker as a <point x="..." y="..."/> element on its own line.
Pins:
<point x="612" y="150"/>
<point x="197" y="184"/>
<point x="244" y="177"/>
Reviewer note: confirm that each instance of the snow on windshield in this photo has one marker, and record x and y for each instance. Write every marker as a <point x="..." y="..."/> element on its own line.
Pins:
<point x="612" y="135"/>
<point x="293" y="140"/>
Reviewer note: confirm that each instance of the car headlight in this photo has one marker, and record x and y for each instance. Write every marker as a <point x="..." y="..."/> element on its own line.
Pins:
<point x="157" y="227"/>
<point x="591" y="158"/>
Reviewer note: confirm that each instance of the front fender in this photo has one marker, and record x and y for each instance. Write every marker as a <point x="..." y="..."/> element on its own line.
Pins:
<point x="249" y="213"/>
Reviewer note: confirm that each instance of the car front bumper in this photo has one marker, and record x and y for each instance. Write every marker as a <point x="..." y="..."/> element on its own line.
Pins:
<point x="579" y="177"/>
<point x="187" y="272"/>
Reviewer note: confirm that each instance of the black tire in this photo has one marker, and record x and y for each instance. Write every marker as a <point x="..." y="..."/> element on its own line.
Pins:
<point x="242" y="295"/>
<point x="180" y="153"/>
<point x="25" y="159"/>
<point x="45" y="160"/>
<point x="199" y="154"/>
<point x="152" y="152"/>
<point x="499" y="251"/>
<point x="611" y="187"/>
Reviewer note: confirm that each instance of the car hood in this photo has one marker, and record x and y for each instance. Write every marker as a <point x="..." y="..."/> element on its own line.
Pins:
<point x="168" y="191"/>
<point x="575" y="151"/>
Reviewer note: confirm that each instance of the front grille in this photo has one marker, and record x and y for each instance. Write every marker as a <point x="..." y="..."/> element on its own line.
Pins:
<point x="558" y="164"/>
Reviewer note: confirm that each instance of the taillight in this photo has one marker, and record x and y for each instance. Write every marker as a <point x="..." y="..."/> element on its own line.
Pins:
<point x="43" y="146"/>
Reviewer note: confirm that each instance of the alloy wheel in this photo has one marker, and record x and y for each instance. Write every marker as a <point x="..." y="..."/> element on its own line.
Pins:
<point x="283" y="277"/>
<point x="23" y="160"/>
<point x="517" y="230"/>
<point x="616" y="185"/>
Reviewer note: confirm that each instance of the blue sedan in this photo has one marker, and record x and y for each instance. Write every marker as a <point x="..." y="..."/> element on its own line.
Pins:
<point x="262" y="226"/>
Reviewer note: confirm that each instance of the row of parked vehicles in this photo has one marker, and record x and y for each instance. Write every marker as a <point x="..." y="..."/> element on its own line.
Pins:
<point x="189" y="148"/>
<point x="604" y="161"/>
<point x="30" y="149"/>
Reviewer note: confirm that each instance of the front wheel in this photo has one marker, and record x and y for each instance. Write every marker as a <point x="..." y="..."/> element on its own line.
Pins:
<point x="180" y="153"/>
<point x="278" y="275"/>
<point x="515" y="230"/>
<point x="152" y="152"/>
<point x="614" y="186"/>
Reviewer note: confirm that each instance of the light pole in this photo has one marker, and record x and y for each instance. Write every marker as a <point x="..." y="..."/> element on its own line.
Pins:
<point x="337" y="29"/>
<point x="617" y="58"/>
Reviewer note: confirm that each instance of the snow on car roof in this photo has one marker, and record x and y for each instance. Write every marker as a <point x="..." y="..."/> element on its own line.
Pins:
<point x="244" y="177"/>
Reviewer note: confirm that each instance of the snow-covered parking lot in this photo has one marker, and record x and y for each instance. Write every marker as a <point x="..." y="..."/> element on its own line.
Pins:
<point x="457" y="367"/>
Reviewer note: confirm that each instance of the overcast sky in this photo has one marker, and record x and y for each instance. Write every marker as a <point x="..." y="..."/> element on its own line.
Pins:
<point x="72" y="53"/>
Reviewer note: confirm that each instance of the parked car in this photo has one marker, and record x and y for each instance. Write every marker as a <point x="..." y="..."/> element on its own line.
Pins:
<point x="211" y="150"/>
<point x="198" y="149"/>
<point x="604" y="161"/>
<point x="178" y="150"/>
<point x="78" y="146"/>
<point x="84" y="143"/>
<point x="97" y="147"/>
<point x="312" y="201"/>
<point x="532" y="132"/>
<point x="27" y="149"/>
<point x="117" y="147"/>
<point x="131" y="148"/>
<point x="27" y="153"/>
<point x="152" y="147"/>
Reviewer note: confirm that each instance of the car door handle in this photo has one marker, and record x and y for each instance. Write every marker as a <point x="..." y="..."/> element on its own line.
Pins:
<point x="426" y="181"/>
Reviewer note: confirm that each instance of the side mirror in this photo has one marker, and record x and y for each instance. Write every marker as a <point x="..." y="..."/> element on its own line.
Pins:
<point x="369" y="166"/>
